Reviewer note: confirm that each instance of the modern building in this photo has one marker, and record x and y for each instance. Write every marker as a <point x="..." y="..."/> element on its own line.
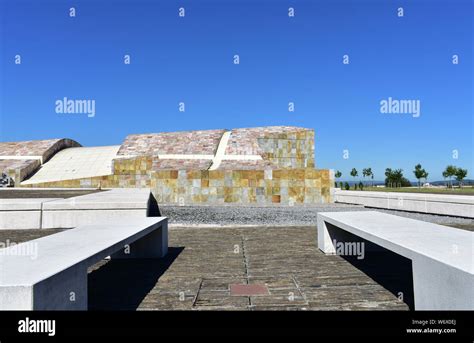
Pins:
<point x="264" y="165"/>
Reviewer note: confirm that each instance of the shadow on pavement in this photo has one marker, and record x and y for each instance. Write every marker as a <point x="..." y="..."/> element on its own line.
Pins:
<point x="122" y="284"/>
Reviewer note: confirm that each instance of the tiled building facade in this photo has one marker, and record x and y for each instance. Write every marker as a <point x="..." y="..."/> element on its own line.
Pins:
<point x="265" y="166"/>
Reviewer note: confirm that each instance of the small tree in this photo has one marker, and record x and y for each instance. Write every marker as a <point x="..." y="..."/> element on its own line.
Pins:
<point x="420" y="173"/>
<point x="337" y="175"/>
<point x="367" y="172"/>
<point x="460" y="175"/>
<point x="449" y="172"/>
<point x="425" y="175"/>
<point x="354" y="174"/>
<point x="346" y="186"/>
<point x="398" y="175"/>
<point x="364" y="173"/>
<point x="394" y="178"/>
<point x="388" y="177"/>
<point x="445" y="176"/>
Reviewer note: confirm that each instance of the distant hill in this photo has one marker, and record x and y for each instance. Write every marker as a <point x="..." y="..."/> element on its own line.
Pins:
<point x="466" y="182"/>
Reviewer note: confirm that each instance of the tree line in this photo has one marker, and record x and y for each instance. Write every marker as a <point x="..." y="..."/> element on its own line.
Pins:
<point x="395" y="178"/>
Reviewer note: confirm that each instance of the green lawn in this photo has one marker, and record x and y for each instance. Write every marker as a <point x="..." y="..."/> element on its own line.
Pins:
<point x="467" y="190"/>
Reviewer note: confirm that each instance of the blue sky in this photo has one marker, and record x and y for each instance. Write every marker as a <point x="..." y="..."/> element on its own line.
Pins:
<point x="282" y="60"/>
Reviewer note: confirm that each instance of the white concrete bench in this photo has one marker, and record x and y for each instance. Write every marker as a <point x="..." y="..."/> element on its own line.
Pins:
<point x="95" y="208"/>
<point x="442" y="257"/>
<point x="50" y="273"/>
<point x="19" y="214"/>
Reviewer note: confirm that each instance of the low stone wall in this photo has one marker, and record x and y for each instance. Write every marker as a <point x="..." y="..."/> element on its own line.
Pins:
<point x="450" y="205"/>
<point x="265" y="187"/>
<point x="277" y="186"/>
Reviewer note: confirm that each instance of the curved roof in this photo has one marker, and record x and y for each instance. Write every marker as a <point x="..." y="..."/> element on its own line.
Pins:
<point x="38" y="148"/>
<point x="23" y="158"/>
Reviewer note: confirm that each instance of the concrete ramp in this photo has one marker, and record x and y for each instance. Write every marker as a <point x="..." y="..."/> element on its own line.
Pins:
<point x="76" y="163"/>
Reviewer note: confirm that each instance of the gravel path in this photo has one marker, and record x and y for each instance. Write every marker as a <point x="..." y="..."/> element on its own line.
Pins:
<point x="283" y="216"/>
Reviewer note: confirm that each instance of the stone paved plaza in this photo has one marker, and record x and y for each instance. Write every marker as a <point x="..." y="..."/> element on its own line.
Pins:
<point x="205" y="260"/>
<point x="203" y="263"/>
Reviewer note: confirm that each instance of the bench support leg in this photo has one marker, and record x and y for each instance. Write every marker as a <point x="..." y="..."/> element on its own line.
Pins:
<point x="437" y="286"/>
<point x="330" y="235"/>
<point x="66" y="290"/>
<point x="325" y="243"/>
<point x="153" y="245"/>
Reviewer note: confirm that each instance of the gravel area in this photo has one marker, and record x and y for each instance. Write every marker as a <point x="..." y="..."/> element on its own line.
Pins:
<point x="284" y="215"/>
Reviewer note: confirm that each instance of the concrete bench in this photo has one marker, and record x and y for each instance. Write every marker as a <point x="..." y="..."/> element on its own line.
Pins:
<point x="19" y="214"/>
<point x="50" y="273"/>
<point x="442" y="257"/>
<point x="95" y="208"/>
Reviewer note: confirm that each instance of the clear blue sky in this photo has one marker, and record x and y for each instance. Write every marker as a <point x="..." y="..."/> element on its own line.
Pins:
<point x="282" y="59"/>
